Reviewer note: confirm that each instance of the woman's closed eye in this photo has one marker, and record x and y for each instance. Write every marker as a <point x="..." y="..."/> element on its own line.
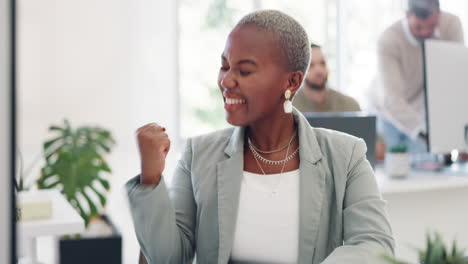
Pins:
<point x="244" y="73"/>
<point x="241" y="72"/>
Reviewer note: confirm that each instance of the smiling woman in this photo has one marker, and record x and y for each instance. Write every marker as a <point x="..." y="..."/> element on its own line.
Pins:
<point x="254" y="66"/>
<point x="201" y="25"/>
<point x="272" y="189"/>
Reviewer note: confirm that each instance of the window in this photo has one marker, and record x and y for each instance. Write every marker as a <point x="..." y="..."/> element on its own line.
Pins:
<point x="363" y="22"/>
<point x="204" y="26"/>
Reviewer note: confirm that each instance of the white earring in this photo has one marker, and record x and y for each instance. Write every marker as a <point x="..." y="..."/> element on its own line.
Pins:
<point x="287" y="104"/>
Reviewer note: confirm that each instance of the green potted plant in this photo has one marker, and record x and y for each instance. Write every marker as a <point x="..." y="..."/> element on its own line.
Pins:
<point x="75" y="164"/>
<point x="436" y="252"/>
<point x="397" y="162"/>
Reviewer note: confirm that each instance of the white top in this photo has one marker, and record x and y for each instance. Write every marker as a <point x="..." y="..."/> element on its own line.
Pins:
<point x="267" y="228"/>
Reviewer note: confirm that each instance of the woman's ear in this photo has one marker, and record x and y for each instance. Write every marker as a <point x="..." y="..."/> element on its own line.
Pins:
<point x="295" y="81"/>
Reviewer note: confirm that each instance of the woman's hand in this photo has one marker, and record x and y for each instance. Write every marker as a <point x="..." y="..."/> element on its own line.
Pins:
<point x="154" y="144"/>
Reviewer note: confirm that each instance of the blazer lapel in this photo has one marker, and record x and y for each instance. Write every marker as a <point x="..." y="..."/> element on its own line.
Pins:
<point x="312" y="184"/>
<point x="229" y="173"/>
<point x="312" y="187"/>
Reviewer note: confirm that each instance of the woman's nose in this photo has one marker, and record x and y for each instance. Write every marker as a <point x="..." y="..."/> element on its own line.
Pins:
<point x="227" y="80"/>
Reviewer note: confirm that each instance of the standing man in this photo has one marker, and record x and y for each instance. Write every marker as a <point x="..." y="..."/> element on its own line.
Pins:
<point x="398" y="94"/>
<point x="315" y="96"/>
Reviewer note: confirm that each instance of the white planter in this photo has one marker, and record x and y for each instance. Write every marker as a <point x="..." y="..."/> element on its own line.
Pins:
<point x="397" y="165"/>
<point x="34" y="205"/>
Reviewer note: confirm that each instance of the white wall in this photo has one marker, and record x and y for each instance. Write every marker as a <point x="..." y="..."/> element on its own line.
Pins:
<point x="107" y="62"/>
<point x="5" y="186"/>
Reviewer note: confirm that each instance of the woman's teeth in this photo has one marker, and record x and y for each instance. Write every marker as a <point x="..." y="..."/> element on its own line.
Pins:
<point x="234" y="101"/>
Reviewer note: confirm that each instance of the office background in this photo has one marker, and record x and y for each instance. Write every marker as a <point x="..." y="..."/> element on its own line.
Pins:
<point x="121" y="64"/>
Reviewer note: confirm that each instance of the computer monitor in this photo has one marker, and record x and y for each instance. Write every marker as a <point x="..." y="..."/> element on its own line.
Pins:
<point x="358" y="124"/>
<point x="7" y="223"/>
<point x="446" y="86"/>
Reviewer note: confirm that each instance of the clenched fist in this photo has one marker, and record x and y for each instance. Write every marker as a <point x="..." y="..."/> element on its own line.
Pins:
<point x="154" y="144"/>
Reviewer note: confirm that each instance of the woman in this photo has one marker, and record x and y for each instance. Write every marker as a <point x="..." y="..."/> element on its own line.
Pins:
<point x="272" y="189"/>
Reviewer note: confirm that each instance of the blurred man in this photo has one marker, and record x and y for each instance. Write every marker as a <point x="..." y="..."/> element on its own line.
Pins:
<point x="315" y="95"/>
<point x="397" y="94"/>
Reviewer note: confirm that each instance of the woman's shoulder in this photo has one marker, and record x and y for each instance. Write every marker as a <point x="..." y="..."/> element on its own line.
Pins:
<point x="206" y="149"/>
<point x="325" y="133"/>
<point x="332" y="142"/>
<point x="210" y="144"/>
<point x="341" y="152"/>
<point x="215" y="137"/>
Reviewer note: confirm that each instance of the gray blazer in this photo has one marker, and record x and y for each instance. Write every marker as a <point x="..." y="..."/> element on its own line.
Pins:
<point x="342" y="215"/>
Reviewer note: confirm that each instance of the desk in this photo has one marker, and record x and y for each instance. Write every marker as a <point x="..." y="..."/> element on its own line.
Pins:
<point x="420" y="181"/>
<point x="65" y="220"/>
<point x="425" y="201"/>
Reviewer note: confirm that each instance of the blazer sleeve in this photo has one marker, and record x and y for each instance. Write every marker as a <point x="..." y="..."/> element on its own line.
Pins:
<point x="164" y="220"/>
<point x="366" y="229"/>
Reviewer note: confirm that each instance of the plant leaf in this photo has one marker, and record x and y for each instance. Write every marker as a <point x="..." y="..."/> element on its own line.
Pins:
<point x="75" y="158"/>
<point x="101" y="197"/>
<point x="105" y="184"/>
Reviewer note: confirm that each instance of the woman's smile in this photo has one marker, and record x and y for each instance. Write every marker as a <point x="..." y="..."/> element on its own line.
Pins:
<point x="233" y="104"/>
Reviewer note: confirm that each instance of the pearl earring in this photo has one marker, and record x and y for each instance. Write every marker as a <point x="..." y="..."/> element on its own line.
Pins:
<point x="287" y="104"/>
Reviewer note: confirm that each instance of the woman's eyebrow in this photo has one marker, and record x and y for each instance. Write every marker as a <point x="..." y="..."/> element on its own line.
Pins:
<point x="249" y="61"/>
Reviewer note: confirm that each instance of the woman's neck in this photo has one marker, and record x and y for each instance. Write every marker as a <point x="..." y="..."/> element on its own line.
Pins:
<point x="270" y="134"/>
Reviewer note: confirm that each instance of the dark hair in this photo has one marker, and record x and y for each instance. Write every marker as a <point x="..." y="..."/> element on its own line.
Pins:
<point x="423" y="8"/>
<point x="313" y="45"/>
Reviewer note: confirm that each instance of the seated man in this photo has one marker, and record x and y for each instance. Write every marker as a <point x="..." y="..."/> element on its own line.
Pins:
<point x="315" y="95"/>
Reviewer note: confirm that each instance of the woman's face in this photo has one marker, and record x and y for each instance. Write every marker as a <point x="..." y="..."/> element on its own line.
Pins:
<point x="253" y="76"/>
